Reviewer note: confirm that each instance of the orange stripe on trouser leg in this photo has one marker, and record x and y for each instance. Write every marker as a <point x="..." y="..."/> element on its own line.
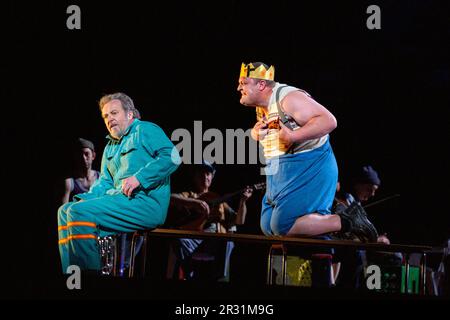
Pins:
<point x="77" y="237"/>
<point x="78" y="224"/>
<point x="81" y="223"/>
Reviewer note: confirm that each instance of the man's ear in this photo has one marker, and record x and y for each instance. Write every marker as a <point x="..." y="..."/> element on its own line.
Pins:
<point x="93" y="155"/>
<point x="130" y="115"/>
<point x="262" y="84"/>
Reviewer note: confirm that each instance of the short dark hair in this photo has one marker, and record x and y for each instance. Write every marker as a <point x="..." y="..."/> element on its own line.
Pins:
<point x="269" y="83"/>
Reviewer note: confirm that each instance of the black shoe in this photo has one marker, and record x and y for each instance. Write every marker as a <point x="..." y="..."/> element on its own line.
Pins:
<point x="357" y="223"/>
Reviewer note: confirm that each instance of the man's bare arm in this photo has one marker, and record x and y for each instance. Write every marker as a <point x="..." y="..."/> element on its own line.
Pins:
<point x="181" y="201"/>
<point x="67" y="190"/>
<point x="315" y="120"/>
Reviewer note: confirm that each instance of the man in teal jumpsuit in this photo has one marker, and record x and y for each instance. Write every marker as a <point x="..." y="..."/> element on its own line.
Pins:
<point x="133" y="190"/>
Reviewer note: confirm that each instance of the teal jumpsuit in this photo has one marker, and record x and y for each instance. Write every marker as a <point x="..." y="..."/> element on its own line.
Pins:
<point x="144" y="151"/>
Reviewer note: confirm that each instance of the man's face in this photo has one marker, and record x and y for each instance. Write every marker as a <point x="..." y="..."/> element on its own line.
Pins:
<point x="365" y="191"/>
<point x="116" y="119"/>
<point x="203" y="179"/>
<point x="249" y="91"/>
<point x="88" y="157"/>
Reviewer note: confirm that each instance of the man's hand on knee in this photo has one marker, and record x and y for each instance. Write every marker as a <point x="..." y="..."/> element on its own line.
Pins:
<point x="129" y="184"/>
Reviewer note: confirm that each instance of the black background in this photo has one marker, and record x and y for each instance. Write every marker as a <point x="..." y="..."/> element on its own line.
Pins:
<point x="179" y="61"/>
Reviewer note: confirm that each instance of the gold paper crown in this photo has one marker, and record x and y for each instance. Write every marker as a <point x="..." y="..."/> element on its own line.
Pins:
<point x="249" y="71"/>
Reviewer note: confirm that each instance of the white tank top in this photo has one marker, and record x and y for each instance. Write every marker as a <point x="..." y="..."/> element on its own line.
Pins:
<point x="271" y="144"/>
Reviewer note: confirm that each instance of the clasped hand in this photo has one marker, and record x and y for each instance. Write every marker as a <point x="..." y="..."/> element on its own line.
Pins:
<point x="285" y="135"/>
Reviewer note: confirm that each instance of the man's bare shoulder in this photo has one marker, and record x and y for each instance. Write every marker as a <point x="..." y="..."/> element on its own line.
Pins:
<point x="294" y="100"/>
<point x="68" y="184"/>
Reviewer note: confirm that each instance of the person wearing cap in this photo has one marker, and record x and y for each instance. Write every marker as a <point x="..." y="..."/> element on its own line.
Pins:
<point x="132" y="192"/>
<point x="293" y="129"/>
<point x="364" y="184"/>
<point x="194" y="213"/>
<point x="85" y="176"/>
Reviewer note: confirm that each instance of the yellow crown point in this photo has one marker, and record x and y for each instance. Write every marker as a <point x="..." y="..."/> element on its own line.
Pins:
<point x="244" y="69"/>
<point x="249" y="71"/>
